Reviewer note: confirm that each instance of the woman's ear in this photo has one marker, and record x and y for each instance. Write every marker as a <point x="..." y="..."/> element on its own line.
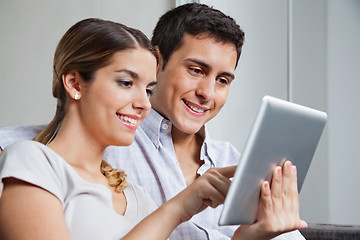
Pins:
<point x="160" y="64"/>
<point x="71" y="81"/>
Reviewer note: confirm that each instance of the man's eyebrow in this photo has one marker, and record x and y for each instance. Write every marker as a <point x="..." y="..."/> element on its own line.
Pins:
<point x="152" y="84"/>
<point x="131" y="73"/>
<point x="227" y="74"/>
<point x="199" y="62"/>
<point x="205" y="65"/>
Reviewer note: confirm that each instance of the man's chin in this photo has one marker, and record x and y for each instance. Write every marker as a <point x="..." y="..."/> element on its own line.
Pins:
<point x="190" y="130"/>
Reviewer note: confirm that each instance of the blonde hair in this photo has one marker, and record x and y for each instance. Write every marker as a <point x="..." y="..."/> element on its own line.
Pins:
<point x="116" y="178"/>
<point x="86" y="47"/>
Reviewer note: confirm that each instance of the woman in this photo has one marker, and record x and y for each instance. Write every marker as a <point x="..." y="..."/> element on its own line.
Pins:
<point x="59" y="187"/>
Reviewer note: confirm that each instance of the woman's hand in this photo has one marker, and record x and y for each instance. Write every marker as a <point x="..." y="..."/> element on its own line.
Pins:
<point x="278" y="207"/>
<point x="208" y="190"/>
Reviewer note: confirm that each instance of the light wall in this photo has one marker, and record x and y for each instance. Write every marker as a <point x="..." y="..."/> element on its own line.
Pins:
<point x="343" y="74"/>
<point x="301" y="50"/>
<point x="307" y="52"/>
<point x="29" y="33"/>
<point x="308" y="86"/>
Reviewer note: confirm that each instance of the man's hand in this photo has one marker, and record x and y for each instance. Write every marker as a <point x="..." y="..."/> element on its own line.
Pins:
<point x="278" y="207"/>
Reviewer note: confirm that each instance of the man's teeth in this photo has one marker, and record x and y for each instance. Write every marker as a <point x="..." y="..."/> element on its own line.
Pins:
<point x="195" y="109"/>
<point x="127" y="119"/>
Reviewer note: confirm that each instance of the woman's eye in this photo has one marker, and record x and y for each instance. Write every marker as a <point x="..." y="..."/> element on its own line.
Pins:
<point x="125" y="83"/>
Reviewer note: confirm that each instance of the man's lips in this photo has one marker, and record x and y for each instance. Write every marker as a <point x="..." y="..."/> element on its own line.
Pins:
<point x="194" y="108"/>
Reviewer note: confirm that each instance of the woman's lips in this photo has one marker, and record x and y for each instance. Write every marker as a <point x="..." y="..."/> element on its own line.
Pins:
<point x="129" y="121"/>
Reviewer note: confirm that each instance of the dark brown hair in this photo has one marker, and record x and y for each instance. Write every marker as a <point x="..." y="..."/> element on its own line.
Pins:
<point x="195" y="19"/>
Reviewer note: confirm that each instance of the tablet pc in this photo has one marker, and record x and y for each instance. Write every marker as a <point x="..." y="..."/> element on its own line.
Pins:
<point x="281" y="130"/>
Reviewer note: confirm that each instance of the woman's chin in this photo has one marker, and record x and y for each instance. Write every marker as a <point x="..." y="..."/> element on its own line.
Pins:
<point x="124" y="142"/>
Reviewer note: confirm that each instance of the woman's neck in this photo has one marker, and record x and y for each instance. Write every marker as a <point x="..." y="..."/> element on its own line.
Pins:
<point x="78" y="148"/>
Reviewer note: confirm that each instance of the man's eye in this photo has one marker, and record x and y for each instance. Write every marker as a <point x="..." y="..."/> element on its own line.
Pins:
<point x="149" y="93"/>
<point x="223" y="81"/>
<point x="125" y="83"/>
<point x="196" y="71"/>
<point x="150" y="90"/>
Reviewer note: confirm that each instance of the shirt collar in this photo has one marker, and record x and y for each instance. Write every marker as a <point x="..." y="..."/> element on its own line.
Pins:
<point x="152" y="125"/>
<point x="205" y="152"/>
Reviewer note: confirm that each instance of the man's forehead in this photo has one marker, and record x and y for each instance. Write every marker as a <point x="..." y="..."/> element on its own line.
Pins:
<point x="208" y="54"/>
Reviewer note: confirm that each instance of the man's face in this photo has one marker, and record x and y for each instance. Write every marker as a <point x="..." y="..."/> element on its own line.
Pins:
<point x="195" y="83"/>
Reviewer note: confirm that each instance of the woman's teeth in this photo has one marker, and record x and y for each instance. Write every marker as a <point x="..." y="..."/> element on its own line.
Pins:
<point x="127" y="119"/>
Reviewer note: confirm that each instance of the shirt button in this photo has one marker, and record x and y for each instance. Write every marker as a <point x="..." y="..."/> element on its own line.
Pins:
<point x="165" y="126"/>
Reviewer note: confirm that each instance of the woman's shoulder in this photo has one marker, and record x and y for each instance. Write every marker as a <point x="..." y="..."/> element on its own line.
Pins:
<point x="27" y="156"/>
<point x="34" y="163"/>
<point x="27" y="150"/>
<point x="21" y="149"/>
<point x="23" y="145"/>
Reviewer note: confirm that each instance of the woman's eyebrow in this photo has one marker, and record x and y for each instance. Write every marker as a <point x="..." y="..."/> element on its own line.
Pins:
<point x="131" y="73"/>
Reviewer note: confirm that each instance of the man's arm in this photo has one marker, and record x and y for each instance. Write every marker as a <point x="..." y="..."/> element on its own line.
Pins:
<point x="9" y="135"/>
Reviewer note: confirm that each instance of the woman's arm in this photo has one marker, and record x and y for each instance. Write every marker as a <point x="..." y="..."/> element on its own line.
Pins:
<point x="278" y="208"/>
<point x="208" y="190"/>
<point x="39" y="215"/>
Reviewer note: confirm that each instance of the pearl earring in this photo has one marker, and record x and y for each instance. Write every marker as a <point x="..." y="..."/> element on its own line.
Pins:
<point x="76" y="96"/>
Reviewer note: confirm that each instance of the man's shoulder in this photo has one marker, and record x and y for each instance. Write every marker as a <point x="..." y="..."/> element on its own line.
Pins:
<point x="223" y="153"/>
<point x="11" y="134"/>
<point x="221" y="146"/>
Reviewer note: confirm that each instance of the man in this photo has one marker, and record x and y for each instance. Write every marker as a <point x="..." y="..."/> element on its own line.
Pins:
<point x="199" y="48"/>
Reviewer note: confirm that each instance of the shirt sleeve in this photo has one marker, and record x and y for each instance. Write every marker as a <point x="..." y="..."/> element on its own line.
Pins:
<point x="30" y="162"/>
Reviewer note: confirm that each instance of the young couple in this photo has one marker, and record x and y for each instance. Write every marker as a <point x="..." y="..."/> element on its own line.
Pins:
<point x="63" y="185"/>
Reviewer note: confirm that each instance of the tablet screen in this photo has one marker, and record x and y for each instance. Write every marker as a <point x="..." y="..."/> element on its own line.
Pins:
<point x="281" y="130"/>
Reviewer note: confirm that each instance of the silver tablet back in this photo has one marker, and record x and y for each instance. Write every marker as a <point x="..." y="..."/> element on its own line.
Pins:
<point x="281" y="130"/>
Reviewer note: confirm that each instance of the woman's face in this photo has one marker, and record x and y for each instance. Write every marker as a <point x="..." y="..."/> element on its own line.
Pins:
<point x="117" y="100"/>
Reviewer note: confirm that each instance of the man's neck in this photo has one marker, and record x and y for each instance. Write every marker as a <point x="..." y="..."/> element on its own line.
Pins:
<point x="187" y="149"/>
